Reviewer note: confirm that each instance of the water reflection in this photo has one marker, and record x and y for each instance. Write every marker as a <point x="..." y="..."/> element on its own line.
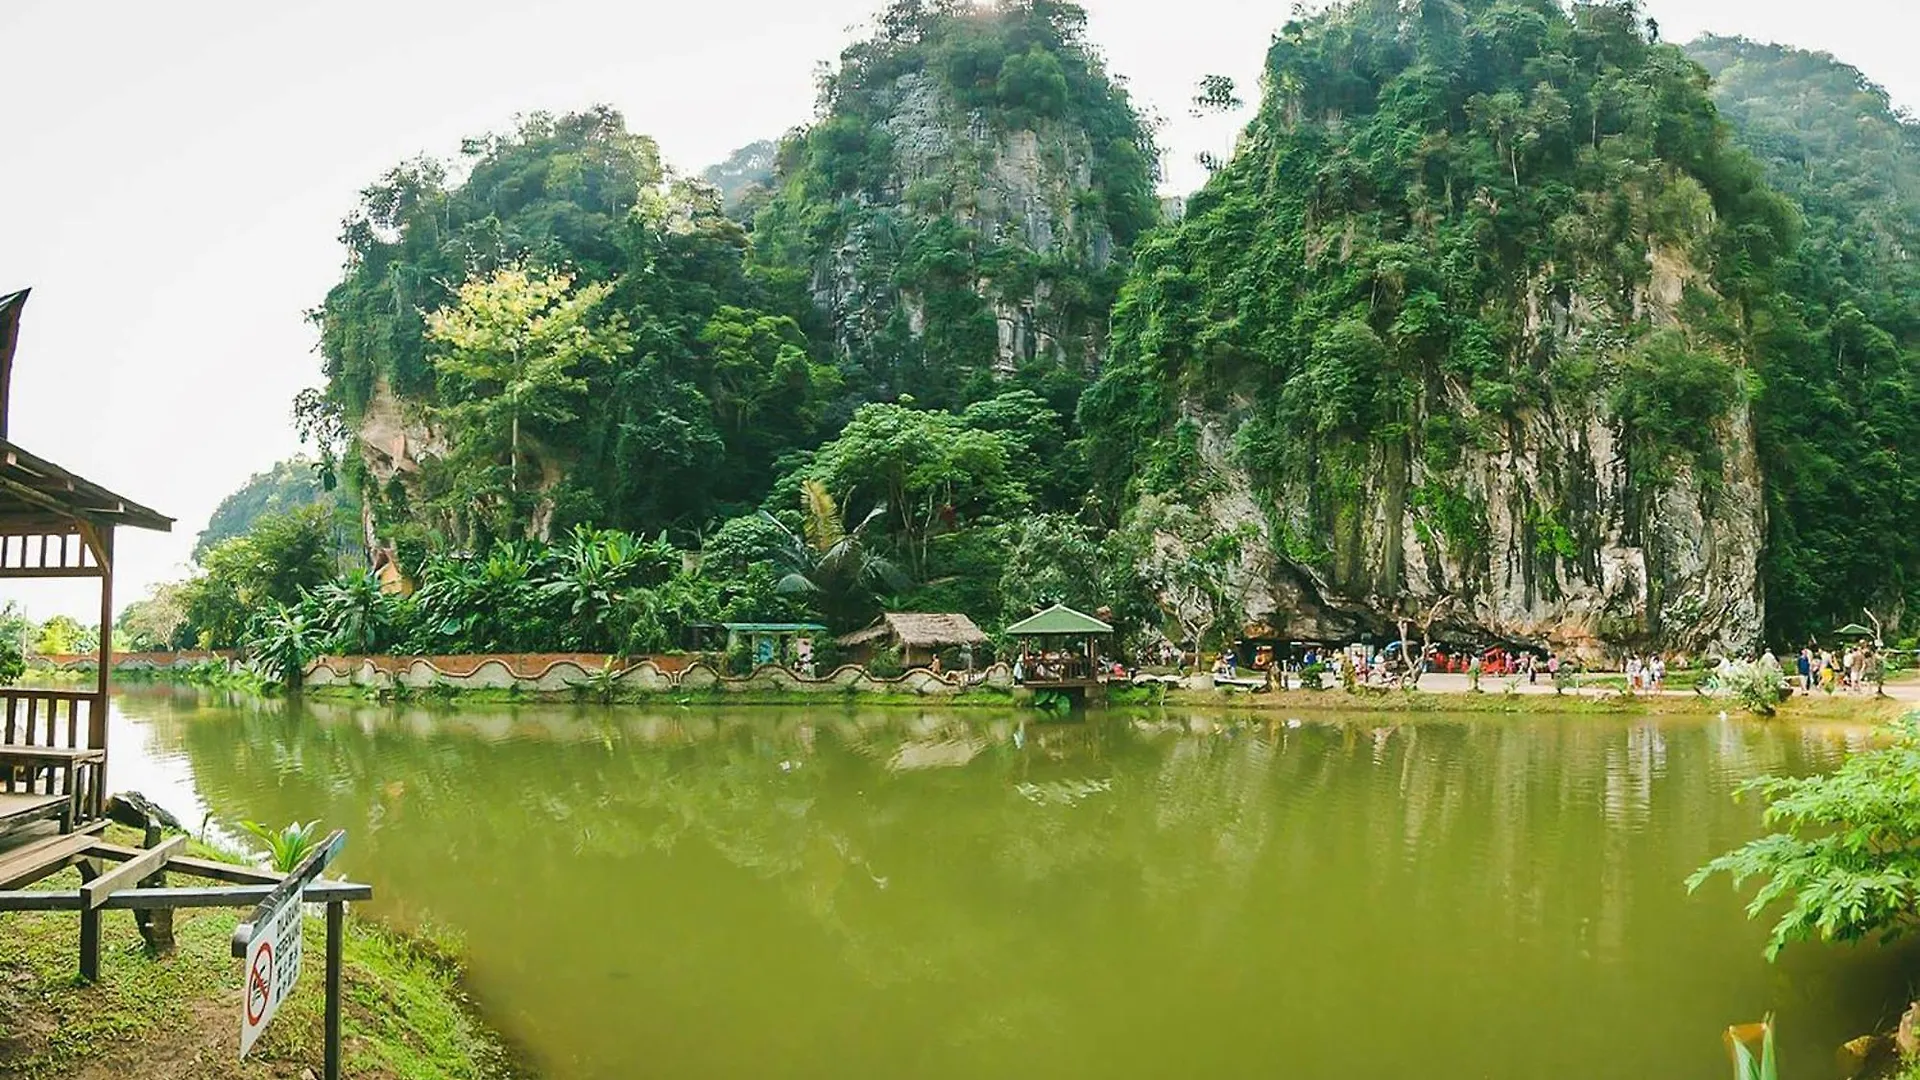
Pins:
<point x="755" y="892"/>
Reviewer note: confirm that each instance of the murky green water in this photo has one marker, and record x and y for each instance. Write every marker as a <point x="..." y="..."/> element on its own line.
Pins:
<point x="758" y="892"/>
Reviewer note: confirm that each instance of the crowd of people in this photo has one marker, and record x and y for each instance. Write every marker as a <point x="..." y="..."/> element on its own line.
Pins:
<point x="1853" y="669"/>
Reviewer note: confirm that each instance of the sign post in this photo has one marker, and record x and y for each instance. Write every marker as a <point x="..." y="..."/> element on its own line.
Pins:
<point x="270" y="944"/>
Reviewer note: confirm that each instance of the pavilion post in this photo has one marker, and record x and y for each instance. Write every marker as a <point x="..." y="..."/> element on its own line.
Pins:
<point x="97" y="720"/>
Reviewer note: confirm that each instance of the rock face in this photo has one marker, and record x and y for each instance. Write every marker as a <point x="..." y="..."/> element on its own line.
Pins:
<point x="1446" y="343"/>
<point x="1680" y="572"/>
<point x="964" y="206"/>
<point x="1015" y="190"/>
<point x="1565" y="551"/>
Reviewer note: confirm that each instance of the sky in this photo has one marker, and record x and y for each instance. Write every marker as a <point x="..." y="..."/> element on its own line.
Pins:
<point x="174" y="176"/>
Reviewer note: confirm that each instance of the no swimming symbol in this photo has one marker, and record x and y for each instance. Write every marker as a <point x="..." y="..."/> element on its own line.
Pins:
<point x="259" y="986"/>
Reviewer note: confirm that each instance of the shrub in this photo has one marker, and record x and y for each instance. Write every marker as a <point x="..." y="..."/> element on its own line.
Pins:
<point x="12" y="664"/>
<point x="1757" y="685"/>
<point x="886" y="664"/>
<point x="1844" y="859"/>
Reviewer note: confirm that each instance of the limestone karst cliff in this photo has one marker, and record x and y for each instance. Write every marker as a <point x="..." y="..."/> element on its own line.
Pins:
<point x="1462" y="327"/>
<point x="962" y="209"/>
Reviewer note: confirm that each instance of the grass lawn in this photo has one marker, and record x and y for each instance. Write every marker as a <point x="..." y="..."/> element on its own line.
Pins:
<point x="177" y="1016"/>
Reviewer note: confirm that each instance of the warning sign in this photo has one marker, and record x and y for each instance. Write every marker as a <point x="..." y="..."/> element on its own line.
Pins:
<point x="273" y="967"/>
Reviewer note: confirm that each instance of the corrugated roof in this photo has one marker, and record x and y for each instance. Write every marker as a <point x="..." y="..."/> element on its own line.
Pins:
<point x="773" y="627"/>
<point x="1059" y="619"/>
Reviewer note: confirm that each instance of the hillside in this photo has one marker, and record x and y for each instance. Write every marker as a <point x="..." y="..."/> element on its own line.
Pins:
<point x="962" y="211"/>
<point x="1467" y="318"/>
<point x="1839" y="417"/>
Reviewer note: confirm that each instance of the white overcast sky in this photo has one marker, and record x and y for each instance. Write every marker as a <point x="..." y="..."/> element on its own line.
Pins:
<point x="173" y="175"/>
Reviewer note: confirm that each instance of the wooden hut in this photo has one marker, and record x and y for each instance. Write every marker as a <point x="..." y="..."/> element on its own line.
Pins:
<point x="54" y="524"/>
<point x="919" y="637"/>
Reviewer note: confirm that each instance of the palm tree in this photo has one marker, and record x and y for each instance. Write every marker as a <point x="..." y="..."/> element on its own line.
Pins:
<point x="831" y="562"/>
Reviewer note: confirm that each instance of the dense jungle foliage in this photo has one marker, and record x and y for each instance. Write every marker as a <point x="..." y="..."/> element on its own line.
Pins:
<point x="1446" y="218"/>
<point x="601" y="402"/>
<point x="591" y="404"/>
<point x="1839" y="413"/>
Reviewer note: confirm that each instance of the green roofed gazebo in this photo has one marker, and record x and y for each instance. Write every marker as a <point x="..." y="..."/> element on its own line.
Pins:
<point x="1059" y="648"/>
<point x="1853" y="629"/>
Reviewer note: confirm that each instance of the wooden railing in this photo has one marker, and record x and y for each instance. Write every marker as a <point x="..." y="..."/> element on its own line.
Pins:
<point x="60" y="719"/>
<point x="55" y="745"/>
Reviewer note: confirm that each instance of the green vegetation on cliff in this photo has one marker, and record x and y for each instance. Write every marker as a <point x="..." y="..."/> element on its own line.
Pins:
<point x="1839" y="419"/>
<point x="1492" y="318"/>
<point x="963" y="209"/>
<point x="1457" y="239"/>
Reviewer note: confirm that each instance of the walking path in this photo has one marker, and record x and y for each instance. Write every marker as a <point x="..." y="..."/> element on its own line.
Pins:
<point x="1906" y="690"/>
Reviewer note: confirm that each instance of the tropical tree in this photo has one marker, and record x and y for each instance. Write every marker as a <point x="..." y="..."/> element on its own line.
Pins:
<point x="284" y="639"/>
<point x="356" y="611"/>
<point x="930" y="471"/>
<point x="597" y="577"/>
<point x="63" y="635"/>
<point x="279" y="562"/>
<point x="831" y="562"/>
<point x="152" y="622"/>
<point x="510" y="351"/>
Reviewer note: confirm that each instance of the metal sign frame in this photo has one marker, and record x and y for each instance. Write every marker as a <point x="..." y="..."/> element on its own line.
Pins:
<point x="290" y="891"/>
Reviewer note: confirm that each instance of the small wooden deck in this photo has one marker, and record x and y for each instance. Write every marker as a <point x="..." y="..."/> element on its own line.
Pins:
<point x="17" y="811"/>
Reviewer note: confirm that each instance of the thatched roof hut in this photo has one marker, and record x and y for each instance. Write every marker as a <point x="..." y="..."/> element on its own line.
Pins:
<point x="918" y="636"/>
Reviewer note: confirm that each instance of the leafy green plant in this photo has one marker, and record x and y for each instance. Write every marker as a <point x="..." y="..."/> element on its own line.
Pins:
<point x="886" y="664"/>
<point x="356" y="611"/>
<point x="1846" y="858"/>
<point x="287" y="847"/>
<point x="1313" y="677"/>
<point x="12" y="663"/>
<point x="284" y="639"/>
<point x="1757" y="685"/>
<point x="1745" y="1065"/>
<point x="603" y="683"/>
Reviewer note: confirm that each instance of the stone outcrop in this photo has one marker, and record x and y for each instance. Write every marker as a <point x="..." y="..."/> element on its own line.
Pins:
<point x="1570" y="553"/>
<point x="1017" y="187"/>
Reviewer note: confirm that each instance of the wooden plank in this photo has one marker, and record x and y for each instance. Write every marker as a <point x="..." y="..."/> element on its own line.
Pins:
<point x="187" y="864"/>
<point x="53" y="755"/>
<point x="26" y="865"/>
<point x="148" y="861"/>
<point x="319" y="892"/>
<point x="52" y="572"/>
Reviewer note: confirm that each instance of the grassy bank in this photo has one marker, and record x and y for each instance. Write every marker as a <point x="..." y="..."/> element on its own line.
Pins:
<point x="166" y="1018"/>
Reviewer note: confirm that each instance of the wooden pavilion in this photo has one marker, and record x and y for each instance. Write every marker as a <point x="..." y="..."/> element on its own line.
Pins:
<point x="1059" y="649"/>
<point x="54" y="524"/>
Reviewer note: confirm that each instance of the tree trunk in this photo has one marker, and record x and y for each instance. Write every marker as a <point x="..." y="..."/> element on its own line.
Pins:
<point x="513" y="458"/>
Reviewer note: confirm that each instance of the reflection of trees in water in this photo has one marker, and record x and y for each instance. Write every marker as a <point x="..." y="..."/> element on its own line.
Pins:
<point x="970" y="871"/>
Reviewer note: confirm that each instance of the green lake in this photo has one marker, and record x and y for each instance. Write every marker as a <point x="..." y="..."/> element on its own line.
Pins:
<point x="840" y="892"/>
